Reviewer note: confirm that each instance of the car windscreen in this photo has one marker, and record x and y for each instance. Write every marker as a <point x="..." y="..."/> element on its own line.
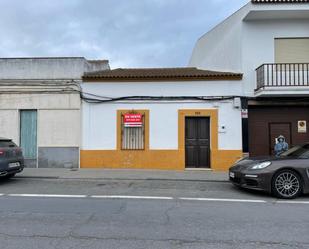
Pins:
<point x="297" y="152"/>
<point x="6" y="143"/>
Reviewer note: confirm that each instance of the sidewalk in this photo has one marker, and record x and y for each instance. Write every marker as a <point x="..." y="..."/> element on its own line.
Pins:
<point x="125" y="174"/>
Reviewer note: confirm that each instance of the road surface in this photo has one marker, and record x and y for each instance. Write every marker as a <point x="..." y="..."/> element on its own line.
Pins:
<point x="53" y="213"/>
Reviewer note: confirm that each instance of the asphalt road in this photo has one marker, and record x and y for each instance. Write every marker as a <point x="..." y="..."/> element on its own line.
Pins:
<point x="109" y="214"/>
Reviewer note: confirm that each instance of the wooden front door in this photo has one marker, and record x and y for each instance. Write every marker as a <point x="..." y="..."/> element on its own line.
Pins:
<point x="197" y="144"/>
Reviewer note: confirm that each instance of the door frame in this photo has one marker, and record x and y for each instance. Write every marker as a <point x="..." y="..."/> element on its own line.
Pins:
<point x="212" y="114"/>
<point x="208" y="144"/>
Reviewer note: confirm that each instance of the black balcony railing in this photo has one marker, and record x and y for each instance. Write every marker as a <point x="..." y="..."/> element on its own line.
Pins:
<point x="282" y="75"/>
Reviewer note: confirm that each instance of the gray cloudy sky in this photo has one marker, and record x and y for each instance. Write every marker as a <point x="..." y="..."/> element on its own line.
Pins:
<point x="130" y="33"/>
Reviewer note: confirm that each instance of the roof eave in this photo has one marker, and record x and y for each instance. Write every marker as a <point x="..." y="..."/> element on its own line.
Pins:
<point x="235" y="77"/>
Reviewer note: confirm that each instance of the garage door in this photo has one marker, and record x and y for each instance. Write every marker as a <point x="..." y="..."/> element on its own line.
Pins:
<point x="267" y="123"/>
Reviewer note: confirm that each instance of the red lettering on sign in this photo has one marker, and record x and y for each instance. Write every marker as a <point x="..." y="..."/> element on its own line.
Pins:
<point x="133" y="120"/>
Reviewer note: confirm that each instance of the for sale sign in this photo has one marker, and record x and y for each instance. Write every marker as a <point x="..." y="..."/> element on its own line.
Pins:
<point x="133" y="120"/>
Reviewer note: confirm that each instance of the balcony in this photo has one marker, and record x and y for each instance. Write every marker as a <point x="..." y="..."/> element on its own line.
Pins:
<point x="282" y="79"/>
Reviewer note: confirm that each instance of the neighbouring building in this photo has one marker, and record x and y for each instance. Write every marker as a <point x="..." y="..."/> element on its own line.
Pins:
<point x="162" y="118"/>
<point x="268" y="41"/>
<point x="40" y="107"/>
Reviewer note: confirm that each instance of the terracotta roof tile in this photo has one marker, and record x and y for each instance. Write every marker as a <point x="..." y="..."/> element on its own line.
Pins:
<point x="181" y="73"/>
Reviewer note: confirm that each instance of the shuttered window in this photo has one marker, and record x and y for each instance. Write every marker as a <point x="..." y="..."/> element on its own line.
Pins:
<point x="132" y="138"/>
<point x="292" y="50"/>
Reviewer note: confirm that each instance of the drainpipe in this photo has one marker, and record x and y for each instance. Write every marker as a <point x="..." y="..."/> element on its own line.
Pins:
<point x="245" y="130"/>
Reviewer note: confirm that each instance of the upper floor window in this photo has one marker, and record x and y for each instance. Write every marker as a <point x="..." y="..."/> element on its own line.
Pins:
<point x="292" y="50"/>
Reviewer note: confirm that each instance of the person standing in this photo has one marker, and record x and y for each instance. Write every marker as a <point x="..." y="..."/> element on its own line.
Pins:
<point x="281" y="145"/>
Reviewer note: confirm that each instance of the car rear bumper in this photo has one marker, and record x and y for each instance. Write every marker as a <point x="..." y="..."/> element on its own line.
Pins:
<point x="11" y="171"/>
<point x="5" y="169"/>
<point x="251" y="180"/>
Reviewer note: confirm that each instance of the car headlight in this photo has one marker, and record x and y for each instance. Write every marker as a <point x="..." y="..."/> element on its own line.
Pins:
<point x="262" y="165"/>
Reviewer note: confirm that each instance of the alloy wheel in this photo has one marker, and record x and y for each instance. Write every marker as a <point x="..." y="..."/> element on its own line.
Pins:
<point x="287" y="184"/>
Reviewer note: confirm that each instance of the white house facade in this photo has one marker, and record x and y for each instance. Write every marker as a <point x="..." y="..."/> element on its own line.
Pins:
<point x="168" y="118"/>
<point x="267" y="41"/>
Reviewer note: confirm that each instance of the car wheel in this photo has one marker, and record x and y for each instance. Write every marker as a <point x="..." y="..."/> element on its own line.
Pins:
<point x="286" y="184"/>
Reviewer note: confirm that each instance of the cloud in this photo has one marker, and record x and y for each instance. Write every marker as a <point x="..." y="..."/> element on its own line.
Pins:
<point x="135" y="33"/>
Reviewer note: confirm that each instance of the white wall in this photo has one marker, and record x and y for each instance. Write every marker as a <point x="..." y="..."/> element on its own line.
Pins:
<point x="258" y="44"/>
<point x="245" y="40"/>
<point x="48" y="68"/>
<point x="9" y="124"/>
<point x="220" y="48"/>
<point x="99" y="121"/>
<point x="178" y="88"/>
<point x="58" y="117"/>
<point x="59" y="128"/>
<point x="39" y="101"/>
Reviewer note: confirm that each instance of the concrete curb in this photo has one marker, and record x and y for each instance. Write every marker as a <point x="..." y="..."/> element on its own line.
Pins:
<point x="122" y="175"/>
<point x="121" y="179"/>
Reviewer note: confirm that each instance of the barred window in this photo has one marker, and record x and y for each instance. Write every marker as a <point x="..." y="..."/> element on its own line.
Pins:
<point x="132" y="131"/>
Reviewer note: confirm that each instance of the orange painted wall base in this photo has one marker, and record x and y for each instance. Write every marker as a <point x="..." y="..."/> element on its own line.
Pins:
<point x="221" y="160"/>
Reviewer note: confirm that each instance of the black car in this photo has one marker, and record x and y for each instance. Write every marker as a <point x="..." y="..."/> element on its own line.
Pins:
<point x="11" y="158"/>
<point x="285" y="176"/>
